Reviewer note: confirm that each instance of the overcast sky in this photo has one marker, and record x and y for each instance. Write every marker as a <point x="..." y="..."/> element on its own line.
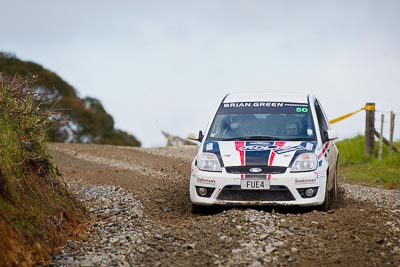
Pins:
<point x="165" y="65"/>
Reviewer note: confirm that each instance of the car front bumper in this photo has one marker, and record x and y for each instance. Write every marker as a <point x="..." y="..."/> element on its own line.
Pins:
<point x="285" y="189"/>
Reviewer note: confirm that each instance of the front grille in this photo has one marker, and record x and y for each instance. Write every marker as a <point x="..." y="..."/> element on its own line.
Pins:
<point x="275" y="193"/>
<point x="264" y="169"/>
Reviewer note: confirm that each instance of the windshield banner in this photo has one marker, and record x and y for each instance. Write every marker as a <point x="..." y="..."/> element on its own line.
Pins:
<point x="262" y="107"/>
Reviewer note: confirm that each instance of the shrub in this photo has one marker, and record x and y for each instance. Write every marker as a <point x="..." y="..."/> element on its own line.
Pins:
<point x="23" y="131"/>
<point x="33" y="201"/>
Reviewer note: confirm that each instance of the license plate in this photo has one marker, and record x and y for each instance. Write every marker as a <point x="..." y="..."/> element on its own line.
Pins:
<point x="254" y="184"/>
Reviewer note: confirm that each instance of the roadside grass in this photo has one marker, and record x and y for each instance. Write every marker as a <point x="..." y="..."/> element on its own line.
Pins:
<point x="36" y="210"/>
<point x="356" y="167"/>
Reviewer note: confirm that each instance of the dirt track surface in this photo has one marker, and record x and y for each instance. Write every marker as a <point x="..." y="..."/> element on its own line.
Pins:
<point x="363" y="229"/>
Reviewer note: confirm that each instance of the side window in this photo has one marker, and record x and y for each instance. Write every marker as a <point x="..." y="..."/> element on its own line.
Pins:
<point x="323" y="123"/>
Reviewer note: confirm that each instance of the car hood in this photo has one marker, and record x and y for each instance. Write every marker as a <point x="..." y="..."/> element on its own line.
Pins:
<point x="263" y="153"/>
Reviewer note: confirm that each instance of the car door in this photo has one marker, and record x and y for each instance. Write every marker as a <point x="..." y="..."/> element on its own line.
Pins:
<point x="331" y="151"/>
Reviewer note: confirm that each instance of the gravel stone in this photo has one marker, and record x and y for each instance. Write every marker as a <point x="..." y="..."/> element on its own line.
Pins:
<point x="127" y="191"/>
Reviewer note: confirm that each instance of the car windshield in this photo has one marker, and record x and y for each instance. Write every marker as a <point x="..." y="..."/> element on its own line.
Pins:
<point x="262" y="121"/>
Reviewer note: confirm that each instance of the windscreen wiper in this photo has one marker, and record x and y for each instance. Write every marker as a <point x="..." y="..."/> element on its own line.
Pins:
<point x="299" y="139"/>
<point x="232" y="139"/>
<point x="254" y="138"/>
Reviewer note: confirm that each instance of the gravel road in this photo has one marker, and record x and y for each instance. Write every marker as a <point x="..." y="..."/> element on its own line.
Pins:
<point x="139" y="201"/>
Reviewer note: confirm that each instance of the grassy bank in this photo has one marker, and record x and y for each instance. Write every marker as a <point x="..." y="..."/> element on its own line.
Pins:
<point x="36" y="210"/>
<point x="356" y="167"/>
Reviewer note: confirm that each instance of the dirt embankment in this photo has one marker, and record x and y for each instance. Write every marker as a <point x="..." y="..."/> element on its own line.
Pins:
<point x="362" y="230"/>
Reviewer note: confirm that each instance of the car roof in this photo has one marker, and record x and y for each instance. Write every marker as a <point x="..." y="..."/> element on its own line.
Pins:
<point x="268" y="97"/>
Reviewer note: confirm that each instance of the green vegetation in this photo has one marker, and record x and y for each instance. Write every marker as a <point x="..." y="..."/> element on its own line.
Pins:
<point x="35" y="206"/>
<point x="356" y="167"/>
<point x="78" y="120"/>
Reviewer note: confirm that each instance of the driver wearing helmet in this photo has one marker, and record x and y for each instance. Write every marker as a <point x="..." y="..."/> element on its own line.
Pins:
<point x="245" y="124"/>
<point x="291" y="129"/>
<point x="292" y="125"/>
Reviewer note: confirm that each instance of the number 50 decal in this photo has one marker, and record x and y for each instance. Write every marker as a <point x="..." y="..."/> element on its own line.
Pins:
<point x="300" y="109"/>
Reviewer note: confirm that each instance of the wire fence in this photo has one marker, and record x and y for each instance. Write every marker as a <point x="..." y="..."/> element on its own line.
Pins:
<point x="386" y="122"/>
<point x="379" y="123"/>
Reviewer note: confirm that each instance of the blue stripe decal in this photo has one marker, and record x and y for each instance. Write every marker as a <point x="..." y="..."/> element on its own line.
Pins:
<point x="257" y="157"/>
<point x="310" y="145"/>
<point x="213" y="147"/>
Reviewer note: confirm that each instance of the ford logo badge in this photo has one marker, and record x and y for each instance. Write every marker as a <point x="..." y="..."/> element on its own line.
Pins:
<point x="255" y="170"/>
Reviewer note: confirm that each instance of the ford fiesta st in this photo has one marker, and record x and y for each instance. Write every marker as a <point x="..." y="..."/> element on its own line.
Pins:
<point x="265" y="149"/>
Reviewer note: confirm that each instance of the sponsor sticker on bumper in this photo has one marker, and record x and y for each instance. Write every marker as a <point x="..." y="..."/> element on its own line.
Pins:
<point x="205" y="181"/>
<point x="305" y="181"/>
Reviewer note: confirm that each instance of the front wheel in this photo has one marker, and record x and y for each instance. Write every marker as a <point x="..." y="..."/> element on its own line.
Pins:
<point x="330" y="195"/>
<point x="335" y="188"/>
<point x="326" y="205"/>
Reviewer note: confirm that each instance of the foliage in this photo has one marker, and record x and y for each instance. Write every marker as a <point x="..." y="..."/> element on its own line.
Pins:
<point x="33" y="201"/>
<point x="23" y="129"/>
<point x="356" y="167"/>
<point x="88" y="122"/>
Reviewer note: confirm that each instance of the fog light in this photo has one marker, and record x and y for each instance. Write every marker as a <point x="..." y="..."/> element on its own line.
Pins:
<point x="203" y="191"/>
<point x="309" y="192"/>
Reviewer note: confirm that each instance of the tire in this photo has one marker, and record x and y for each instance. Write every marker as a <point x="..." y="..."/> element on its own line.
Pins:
<point x="327" y="200"/>
<point x="197" y="209"/>
<point x="325" y="206"/>
<point x="332" y="195"/>
<point x="335" y="189"/>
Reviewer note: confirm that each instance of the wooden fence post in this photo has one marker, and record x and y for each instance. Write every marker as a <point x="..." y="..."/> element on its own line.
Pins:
<point x="369" y="128"/>
<point x="381" y="138"/>
<point x="392" y="115"/>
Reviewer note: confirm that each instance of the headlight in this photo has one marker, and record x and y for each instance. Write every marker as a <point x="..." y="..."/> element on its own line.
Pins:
<point x="208" y="162"/>
<point x="305" y="162"/>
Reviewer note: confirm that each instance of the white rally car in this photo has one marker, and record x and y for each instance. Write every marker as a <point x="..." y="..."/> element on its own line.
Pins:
<point x="265" y="149"/>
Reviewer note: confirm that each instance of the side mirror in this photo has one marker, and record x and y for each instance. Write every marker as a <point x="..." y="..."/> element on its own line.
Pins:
<point x="196" y="136"/>
<point x="331" y="135"/>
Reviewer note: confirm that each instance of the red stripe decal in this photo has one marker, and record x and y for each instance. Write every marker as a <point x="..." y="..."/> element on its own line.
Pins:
<point x="272" y="154"/>
<point x="323" y="150"/>
<point x="241" y="152"/>
<point x="271" y="158"/>
<point x="280" y="143"/>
